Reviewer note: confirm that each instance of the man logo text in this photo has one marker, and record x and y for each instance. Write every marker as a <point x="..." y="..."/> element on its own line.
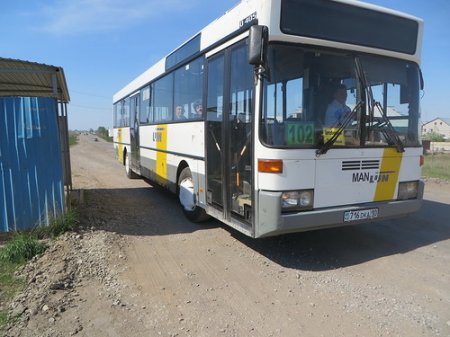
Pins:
<point x="370" y="178"/>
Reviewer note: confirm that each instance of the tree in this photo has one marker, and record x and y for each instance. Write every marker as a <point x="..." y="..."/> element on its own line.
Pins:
<point x="434" y="137"/>
<point x="102" y="132"/>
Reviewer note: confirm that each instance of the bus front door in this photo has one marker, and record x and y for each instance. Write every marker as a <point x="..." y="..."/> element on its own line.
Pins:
<point x="229" y="173"/>
<point x="135" y="157"/>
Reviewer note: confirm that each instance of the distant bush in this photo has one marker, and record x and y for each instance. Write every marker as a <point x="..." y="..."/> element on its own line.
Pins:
<point x="73" y="138"/>
<point x="103" y="133"/>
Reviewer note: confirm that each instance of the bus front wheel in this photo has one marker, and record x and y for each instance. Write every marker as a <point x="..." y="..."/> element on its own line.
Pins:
<point x="187" y="198"/>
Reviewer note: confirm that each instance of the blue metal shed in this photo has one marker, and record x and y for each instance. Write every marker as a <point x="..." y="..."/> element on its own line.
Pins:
<point x="34" y="155"/>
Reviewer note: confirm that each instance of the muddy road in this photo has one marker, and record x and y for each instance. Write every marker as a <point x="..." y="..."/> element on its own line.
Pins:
<point x="175" y="278"/>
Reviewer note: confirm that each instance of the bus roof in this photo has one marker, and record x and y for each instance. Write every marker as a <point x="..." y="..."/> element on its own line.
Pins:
<point x="249" y="12"/>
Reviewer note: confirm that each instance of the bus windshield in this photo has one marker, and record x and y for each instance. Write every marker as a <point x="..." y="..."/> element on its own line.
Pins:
<point x="312" y="95"/>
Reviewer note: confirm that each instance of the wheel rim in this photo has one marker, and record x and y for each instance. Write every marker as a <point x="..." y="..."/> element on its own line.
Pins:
<point x="187" y="195"/>
<point x="127" y="164"/>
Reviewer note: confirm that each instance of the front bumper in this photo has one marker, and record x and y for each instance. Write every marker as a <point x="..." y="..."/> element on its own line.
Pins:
<point x="273" y="222"/>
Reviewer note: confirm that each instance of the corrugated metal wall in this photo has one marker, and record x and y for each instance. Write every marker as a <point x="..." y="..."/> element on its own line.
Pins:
<point x="31" y="177"/>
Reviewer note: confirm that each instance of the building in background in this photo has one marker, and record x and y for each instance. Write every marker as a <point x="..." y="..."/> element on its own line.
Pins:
<point x="34" y="153"/>
<point x="437" y="125"/>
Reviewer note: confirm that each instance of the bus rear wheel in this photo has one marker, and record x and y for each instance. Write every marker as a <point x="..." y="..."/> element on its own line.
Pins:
<point x="187" y="198"/>
<point x="128" y="170"/>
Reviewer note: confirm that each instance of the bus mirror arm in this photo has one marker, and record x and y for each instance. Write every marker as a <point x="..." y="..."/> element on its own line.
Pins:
<point x="257" y="46"/>
<point x="422" y="82"/>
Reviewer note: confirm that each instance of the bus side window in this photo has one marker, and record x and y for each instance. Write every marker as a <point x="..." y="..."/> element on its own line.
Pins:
<point x="163" y="99"/>
<point x="189" y="88"/>
<point x="115" y="110"/>
<point x="125" y="113"/>
<point x="145" y="106"/>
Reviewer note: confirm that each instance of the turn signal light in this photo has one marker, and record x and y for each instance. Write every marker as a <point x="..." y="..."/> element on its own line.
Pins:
<point x="270" y="165"/>
<point x="422" y="160"/>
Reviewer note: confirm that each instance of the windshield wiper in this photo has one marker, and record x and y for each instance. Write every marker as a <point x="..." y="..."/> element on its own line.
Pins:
<point x="348" y="118"/>
<point x="386" y="128"/>
<point x="384" y="124"/>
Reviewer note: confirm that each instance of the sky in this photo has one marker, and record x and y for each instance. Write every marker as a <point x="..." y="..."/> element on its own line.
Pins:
<point x="104" y="44"/>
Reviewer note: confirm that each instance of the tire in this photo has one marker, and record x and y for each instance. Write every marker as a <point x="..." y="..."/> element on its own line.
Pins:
<point x="128" y="170"/>
<point x="187" y="198"/>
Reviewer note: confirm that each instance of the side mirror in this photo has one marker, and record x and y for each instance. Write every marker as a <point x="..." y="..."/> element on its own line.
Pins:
<point x="257" y="45"/>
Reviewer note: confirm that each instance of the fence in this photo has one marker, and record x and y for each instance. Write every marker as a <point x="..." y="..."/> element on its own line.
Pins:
<point x="31" y="173"/>
<point x="439" y="146"/>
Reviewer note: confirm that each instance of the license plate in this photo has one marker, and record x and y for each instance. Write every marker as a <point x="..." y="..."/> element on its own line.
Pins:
<point x="363" y="214"/>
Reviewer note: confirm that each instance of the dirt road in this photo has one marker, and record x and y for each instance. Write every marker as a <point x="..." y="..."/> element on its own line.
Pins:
<point x="141" y="269"/>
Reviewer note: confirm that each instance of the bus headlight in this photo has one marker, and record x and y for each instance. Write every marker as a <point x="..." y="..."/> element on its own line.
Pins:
<point x="407" y="190"/>
<point x="297" y="200"/>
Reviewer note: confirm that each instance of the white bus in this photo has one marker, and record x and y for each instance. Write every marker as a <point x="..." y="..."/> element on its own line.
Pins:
<point x="233" y="121"/>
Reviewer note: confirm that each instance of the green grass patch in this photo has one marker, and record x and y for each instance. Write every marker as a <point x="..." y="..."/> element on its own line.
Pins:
<point x="58" y="226"/>
<point x="437" y="166"/>
<point x="73" y="139"/>
<point x="21" y="248"/>
<point x="3" y="319"/>
<point x="8" y="282"/>
<point x="9" y="285"/>
<point x="15" y="253"/>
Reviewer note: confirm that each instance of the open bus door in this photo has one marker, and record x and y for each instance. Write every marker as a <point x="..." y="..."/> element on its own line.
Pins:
<point x="229" y="125"/>
<point x="135" y="158"/>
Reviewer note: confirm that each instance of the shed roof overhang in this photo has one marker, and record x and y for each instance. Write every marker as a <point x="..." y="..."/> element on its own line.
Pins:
<point x="24" y="78"/>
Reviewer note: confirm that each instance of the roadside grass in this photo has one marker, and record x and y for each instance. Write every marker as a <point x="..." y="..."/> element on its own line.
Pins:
<point x="437" y="165"/>
<point x="107" y="138"/>
<point x="16" y="252"/>
<point x="103" y="133"/>
<point x="57" y="226"/>
<point x="9" y="285"/>
<point x="19" y="249"/>
<point x="73" y="139"/>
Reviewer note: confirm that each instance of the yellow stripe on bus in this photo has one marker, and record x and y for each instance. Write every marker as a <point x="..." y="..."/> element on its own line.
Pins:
<point x="120" y="146"/>
<point x="161" y="156"/>
<point x="389" y="173"/>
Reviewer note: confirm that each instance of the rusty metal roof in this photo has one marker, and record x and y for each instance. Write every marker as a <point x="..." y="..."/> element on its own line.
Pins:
<point x="24" y="78"/>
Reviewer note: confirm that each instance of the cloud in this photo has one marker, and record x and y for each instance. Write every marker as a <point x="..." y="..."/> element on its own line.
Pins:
<point x="73" y="17"/>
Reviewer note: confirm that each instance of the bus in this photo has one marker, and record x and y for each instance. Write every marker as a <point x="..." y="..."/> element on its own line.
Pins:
<point x="233" y="120"/>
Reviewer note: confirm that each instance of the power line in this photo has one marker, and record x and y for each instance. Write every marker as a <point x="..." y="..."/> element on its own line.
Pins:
<point x="89" y="107"/>
<point x="89" y="94"/>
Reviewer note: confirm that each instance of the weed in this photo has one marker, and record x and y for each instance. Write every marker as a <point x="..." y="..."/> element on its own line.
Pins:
<point x="58" y="226"/>
<point x="437" y="166"/>
<point x="9" y="285"/>
<point x="21" y="248"/>
<point x="3" y="318"/>
<point x="73" y="139"/>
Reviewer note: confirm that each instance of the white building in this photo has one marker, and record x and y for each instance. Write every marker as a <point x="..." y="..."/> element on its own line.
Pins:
<point x="437" y="125"/>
